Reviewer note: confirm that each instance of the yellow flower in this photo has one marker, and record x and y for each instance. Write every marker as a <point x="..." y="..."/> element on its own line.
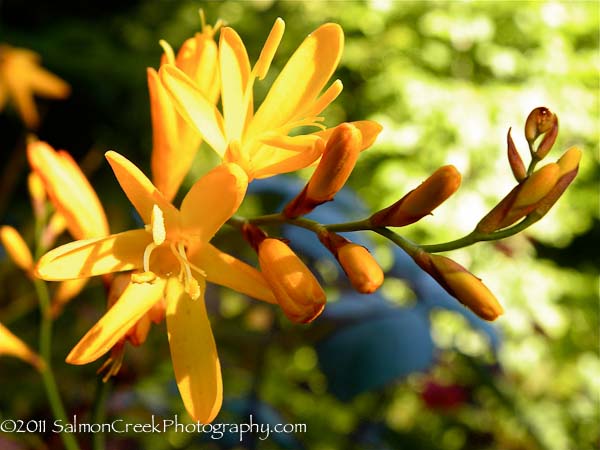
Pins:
<point x="13" y="346"/>
<point x="21" y="78"/>
<point x="175" y="142"/>
<point x="171" y="258"/>
<point x="258" y="141"/>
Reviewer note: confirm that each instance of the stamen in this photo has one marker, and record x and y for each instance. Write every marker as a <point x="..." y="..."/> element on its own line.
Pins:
<point x="190" y="283"/>
<point x="147" y="253"/>
<point x="268" y="51"/>
<point x="159" y="233"/>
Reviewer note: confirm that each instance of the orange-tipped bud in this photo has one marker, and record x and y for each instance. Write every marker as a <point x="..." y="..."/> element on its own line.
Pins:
<point x="363" y="271"/>
<point x="361" y="268"/>
<point x="338" y="160"/>
<point x="568" y="167"/>
<point x="16" y="248"/>
<point x="421" y="201"/>
<point x="296" y="289"/>
<point x="548" y="140"/>
<point x="37" y="192"/>
<point x="539" y="121"/>
<point x="461" y="284"/>
<point x="522" y="200"/>
<point x="69" y="190"/>
<point x="514" y="159"/>
<point x="13" y="346"/>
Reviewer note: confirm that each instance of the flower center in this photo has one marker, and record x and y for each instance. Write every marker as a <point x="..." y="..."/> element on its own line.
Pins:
<point x="177" y="248"/>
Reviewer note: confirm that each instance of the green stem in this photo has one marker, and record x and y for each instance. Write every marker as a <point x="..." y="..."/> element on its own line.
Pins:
<point x="45" y="344"/>
<point x="99" y="412"/>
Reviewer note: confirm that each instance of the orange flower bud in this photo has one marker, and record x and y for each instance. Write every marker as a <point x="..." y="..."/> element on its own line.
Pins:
<point x="363" y="271"/>
<point x="522" y="200"/>
<point x="539" y="121"/>
<point x="16" y="248"/>
<point x="461" y="284"/>
<point x="359" y="265"/>
<point x="338" y="160"/>
<point x="548" y="140"/>
<point x="514" y="159"/>
<point x="13" y="346"/>
<point x="420" y="201"/>
<point x="37" y="192"/>
<point x="296" y="289"/>
<point x="568" y="167"/>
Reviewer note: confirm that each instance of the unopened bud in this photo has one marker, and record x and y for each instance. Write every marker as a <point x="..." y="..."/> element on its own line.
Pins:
<point x="522" y="200"/>
<point x="37" y="192"/>
<point x="548" y="140"/>
<point x="16" y="248"/>
<point x="461" y="284"/>
<point x="538" y="121"/>
<point x="13" y="346"/>
<point x="296" y="289"/>
<point x="338" y="160"/>
<point x="514" y="159"/>
<point x="568" y="167"/>
<point x="421" y="201"/>
<point x="359" y="265"/>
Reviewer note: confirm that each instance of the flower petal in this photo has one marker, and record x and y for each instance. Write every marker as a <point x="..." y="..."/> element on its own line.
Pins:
<point x="194" y="107"/>
<point x="80" y="259"/>
<point x="139" y="189"/>
<point x="194" y="353"/>
<point x="226" y="270"/>
<point x="134" y="302"/>
<point x="174" y="142"/>
<point x="212" y="200"/>
<point x="235" y="75"/>
<point x="13" y="346"/>
<point x="69" y="190"/>
<point x="278" y="161"/>
<point x="301" y="80"/>
<point x="198" y="58"/>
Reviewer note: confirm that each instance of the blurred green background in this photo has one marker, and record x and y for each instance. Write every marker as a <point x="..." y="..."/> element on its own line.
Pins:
<point x="447" y="80"/>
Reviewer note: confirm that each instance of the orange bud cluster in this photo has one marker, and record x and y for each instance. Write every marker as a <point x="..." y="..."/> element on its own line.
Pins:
<point x="421" y="201"/>
<point x="359" y="265"/>
<point x="461" y="284"/>
<point x="537" y="192"/>
<point x="338" y="160"/>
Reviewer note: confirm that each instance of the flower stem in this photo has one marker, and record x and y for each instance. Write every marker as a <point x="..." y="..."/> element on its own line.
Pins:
<point x="99" y="412"/>
<point x="45" y="344"/>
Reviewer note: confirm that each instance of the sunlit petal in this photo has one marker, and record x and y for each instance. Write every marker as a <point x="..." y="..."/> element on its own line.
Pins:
<point x="194" y="353"/>
<point x="135" y="301"/>
<point x="191" y="104"/>
<point x="139" y="189"/>
<point x="301" y="80"/>
<point x="235" y="74"/>
<point x="282" y="161"/>
<point x="212" y="200"/>
<point x="118" y="252"/>
<point x="226" y="270"/>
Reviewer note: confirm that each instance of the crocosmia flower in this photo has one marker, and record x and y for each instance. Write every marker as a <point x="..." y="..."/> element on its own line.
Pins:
<point x="171" y="260"/>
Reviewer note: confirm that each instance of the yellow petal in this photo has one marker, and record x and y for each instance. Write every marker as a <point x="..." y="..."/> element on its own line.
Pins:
<point x="174" y="142"/>
<point x="268" y="51"/>
<point x="198" y="58"/>
<point x="222" y="268"/>
<point x="194" y="353"/>
<point x="283" y="161"/>
<point x="139" y="189"/>
<point x="235" y="75"/>
<point x="301" y="80"/>
<point x="82" y="259"/>
<point x="212" y="200"/>
<point x="69" y="190"/>
<point x="300" y="143"/>
<point x="194" y="107"/>
<point x="47" y="84"/>
<point x="135" y="301"/>
<point x="13" y="346"/>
